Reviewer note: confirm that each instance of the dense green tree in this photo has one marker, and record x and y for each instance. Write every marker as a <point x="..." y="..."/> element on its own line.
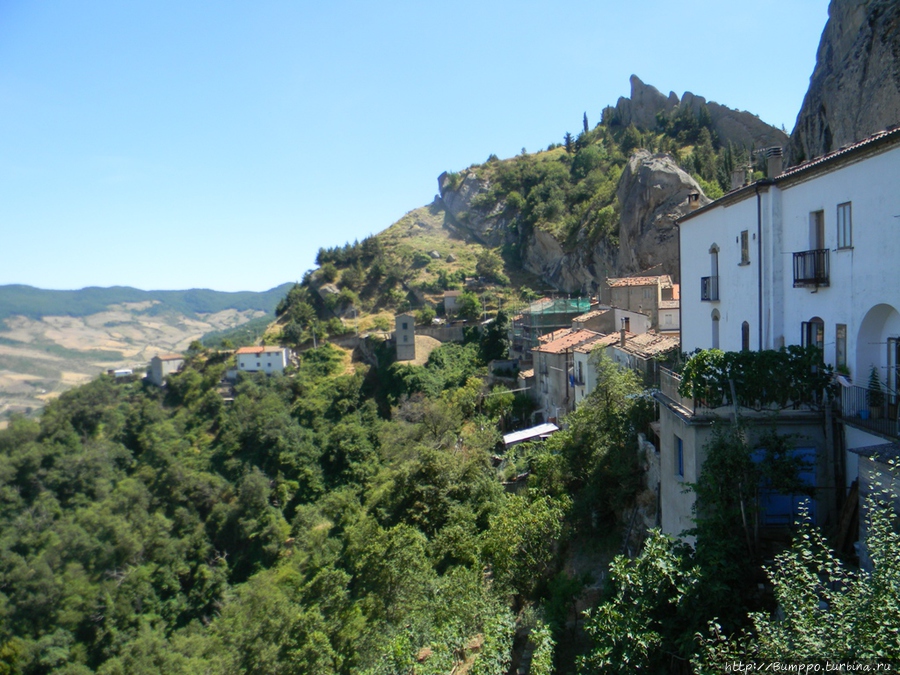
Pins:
<point x="468" y="307"/>
<point x="494" y="342"/>
<point x="827" y="610"/>
<point x="523" y="539"/>
<point x="425" y="316"/>
<point x="648" y="621"/>
<point x="490" y="266"/>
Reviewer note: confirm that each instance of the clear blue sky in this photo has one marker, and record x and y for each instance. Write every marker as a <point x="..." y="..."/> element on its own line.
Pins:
<point x="177" y="144"/>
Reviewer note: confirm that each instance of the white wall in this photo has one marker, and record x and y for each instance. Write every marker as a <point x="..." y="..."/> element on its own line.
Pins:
<point x="668" y="320"/>
<point x="738" y="284"/>
<point x="862" y="277"/>
<point x="265" y="361"/>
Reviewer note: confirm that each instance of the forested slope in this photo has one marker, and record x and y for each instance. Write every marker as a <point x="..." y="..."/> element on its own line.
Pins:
<point x="295" y="530"/>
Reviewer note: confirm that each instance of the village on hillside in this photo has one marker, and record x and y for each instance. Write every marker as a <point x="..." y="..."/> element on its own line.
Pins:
<point x="772" y="265"/>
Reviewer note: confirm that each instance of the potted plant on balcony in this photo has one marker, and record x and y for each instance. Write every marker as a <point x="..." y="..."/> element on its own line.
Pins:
<point x="875" y="394"/>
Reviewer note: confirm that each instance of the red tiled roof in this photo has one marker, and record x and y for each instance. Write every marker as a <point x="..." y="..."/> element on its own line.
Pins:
<point x="565" y="343"/>
<point x="850" y="147"/>
<point x="555" y="335"/>
<point x="169" y="357"/>
<point x="258" y="350"/>
<point x="590" y="315"/>
<point x="601" y="341"/>
<point x="663" y="280"/>
<point x="890" y="136"/>
<point x="650" y="343"/>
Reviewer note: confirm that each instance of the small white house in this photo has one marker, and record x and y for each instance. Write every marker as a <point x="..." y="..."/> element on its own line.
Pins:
<point x="266" y="360"/>
<point x="451" y="302"/>
<point x="162" y="365"/>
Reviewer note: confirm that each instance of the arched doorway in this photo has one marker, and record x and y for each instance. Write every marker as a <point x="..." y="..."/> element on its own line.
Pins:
<point x="878" y="344"/>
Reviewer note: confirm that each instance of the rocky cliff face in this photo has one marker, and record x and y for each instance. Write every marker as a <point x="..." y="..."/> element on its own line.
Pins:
<point x="652" y="193"/>
<point x="490" y="228"/>
<point x="735" y="126"/>
<point x="854" y="90"/>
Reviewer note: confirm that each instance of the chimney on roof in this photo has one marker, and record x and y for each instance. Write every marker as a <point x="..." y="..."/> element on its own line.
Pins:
<point x="694" y="201"/>
<point x="773" y="161"/>
<point x="622" y="334"/>
<point x="737" y="178"/>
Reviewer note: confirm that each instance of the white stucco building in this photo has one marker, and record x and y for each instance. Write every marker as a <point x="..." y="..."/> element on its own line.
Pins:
<point x="162" y="365"/>
<point x="805" y="257"/>
<point x="262" y="359"/>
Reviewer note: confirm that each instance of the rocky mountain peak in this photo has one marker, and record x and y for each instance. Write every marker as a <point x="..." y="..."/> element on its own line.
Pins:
<point x="741" y="128"/>
<point x="854" y="90"/>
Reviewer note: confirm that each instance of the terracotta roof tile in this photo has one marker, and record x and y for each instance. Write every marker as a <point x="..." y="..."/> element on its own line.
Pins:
<point x="258" y="350"/>
<point x="590" y="315"/>
<point x="566" y="343"/>
<point x="663" y="280"/>
<point x="650" y="344"/>
<point x="169" y="357"/>
<point x="555" y="335"/>
<point x="601" y="341"/>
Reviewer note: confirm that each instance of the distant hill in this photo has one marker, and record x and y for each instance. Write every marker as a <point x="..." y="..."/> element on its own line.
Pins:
<point x="51" y="341"/>
<point x="35" y="303"/>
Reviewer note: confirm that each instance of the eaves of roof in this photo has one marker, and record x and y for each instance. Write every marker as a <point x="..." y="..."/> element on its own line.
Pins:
<point x="829" y="162"/>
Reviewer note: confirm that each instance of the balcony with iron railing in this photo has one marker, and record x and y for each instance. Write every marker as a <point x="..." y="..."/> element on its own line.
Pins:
<point x="811" y="268"/>
<point x="709" y="289"/>
<point x="717" y="400"/>
<point x="875" y="411"/>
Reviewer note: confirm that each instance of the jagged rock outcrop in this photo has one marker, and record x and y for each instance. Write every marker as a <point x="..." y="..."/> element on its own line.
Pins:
<point x="854" y="90"/>
<point x="457" y="194"/>
<point x="652" y="192"/>
<point x="732" y="126"/>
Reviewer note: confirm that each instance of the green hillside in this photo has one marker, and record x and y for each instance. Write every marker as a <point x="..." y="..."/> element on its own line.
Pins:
<point x="567" y="190"/>
<point x="348" y="518"/>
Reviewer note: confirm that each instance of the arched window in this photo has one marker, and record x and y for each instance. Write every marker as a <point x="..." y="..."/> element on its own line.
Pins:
<point x="715" y="329"/>
<point x="745" y="337"/>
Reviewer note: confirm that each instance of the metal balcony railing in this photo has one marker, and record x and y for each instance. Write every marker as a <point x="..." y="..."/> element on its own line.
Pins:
<point x="709" y="289"/>
<point x="875" y="411"/>
<point x="811" y="268"/>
